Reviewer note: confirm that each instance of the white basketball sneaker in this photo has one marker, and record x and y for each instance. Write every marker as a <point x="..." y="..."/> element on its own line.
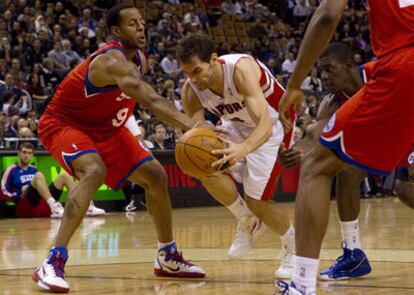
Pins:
<point x="94" y="211"/>
<point x="249" y="228"/>
<point x="170" y="263"/>
<point x="56" y="210"/>
<point x="50" y="274"/>
<point x="285" y="269"/>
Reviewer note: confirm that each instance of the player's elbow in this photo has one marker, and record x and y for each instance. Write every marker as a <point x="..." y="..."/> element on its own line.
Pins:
<point x="328" y="15"/>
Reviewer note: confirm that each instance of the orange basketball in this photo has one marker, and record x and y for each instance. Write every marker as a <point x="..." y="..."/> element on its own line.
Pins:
<point x="193" y="151"/>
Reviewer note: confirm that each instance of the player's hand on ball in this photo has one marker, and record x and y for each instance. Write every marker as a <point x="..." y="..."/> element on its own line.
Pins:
<point x="232" y="153"/>
<point x="291" y="98"/>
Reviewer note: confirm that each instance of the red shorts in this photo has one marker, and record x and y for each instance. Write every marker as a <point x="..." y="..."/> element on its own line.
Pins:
<point x="120" y="151"/>
<point x="25" y="210"/>
<point x="374" y="129"/>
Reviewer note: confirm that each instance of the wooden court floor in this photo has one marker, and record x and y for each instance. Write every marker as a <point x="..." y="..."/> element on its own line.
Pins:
<point x="115" y="254"/>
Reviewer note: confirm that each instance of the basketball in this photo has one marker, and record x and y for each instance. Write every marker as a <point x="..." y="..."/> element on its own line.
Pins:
<point x="193" y="152"/>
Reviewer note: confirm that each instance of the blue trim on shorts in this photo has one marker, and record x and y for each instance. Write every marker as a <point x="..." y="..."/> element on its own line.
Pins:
<point x="335" y="147"/>
<point x="70" y="157"/>
<point x="146" y="159"/>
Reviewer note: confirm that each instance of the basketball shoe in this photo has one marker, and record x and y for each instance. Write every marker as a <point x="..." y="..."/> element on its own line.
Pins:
<point x="286" y="289"/>
<point x="352" y="264"/>
<point x="170" y="263"/>
<point x="249" y="228"/>
<point x="50" y="274"/>
<point x="286" y="257"/>
<point x="56" y="210"/>
<point x="94" y="211"/>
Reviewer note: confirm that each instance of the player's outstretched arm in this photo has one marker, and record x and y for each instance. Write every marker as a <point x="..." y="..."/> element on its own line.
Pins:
<point x="112" y="68"/>
<point x="320" y="30"/>
<point x="317" y="36"/>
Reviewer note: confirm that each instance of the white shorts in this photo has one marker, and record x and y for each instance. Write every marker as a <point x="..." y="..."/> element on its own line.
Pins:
<point x="259" y="170"/>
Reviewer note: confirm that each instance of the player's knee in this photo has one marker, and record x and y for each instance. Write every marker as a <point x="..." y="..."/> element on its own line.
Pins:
<point x="209" y="180"/>
<point x="405" y="192"/>
<point x="96" y="172"/>
<point x="39" y="177"/>
<point x="156" y="176"/>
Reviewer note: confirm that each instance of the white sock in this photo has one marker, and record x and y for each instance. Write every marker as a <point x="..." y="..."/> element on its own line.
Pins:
<point x="51" y="202"/>
<point x="239" y="208"/>
<point x="162" y="245"/>
<point x="288" y="238"/>
<point x="305" y="274"/>
<point x="350" y="234"/>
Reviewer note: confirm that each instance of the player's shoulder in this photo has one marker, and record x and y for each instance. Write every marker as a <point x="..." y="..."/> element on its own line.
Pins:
<point x="107" y="59"/>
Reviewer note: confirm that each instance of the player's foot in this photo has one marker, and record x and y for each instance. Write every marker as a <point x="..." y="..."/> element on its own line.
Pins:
<point x="50" y="274"/>
<point x="285" y="269"/>
<point x="352" y="264"/>
<point x="286" y="289"/>
<point x="170" y="263"/>
<point x="56" y="210"/>
<point x="131" y="206"/>
<point x="248" y="230"/>
<point x="94" y="211"/>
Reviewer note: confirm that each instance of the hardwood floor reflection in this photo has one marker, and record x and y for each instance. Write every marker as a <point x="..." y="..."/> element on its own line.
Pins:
<point x="115" y="254"/>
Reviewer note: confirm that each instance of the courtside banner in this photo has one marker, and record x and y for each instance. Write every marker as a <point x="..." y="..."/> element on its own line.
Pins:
<point x="185" y="191"/>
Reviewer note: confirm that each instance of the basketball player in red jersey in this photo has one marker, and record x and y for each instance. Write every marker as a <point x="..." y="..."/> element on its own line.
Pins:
<point x="364" y="132"/>
<point x="243" y="93"/>
<point x="83" y="128"/>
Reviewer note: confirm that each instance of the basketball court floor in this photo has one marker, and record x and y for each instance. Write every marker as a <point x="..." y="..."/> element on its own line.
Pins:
<point x="115" y="254"/>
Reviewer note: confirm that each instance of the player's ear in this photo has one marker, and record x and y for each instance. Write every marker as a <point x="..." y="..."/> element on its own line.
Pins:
<point x="115" y="31"/>
<point x="213" y="58"/>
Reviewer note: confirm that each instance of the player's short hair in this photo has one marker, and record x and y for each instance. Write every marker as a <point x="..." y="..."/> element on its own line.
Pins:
<point x="26" y="145"/>
<point x="198" y="45"/>
<point x="113" y="17"/>
<point x="338" y="51"/>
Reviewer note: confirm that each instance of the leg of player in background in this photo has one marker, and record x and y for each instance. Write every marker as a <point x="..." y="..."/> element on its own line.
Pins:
<point x="277" y="220"/>
<point x="405" y="186"/>
<point x="353" y="263"/>
<point x="39" y="183"/>
<point x="249" y="227"/>
<point x="152" y="177"/>
<point x="91" y="171"/>
<point x="65" y="180"/>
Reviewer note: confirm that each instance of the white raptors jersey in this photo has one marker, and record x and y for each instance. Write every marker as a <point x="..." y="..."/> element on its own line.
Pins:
<point x="232" y="105"/>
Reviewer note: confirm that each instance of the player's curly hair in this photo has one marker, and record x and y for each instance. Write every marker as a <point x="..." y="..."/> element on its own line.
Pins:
<point x="198" y="45"/>
<point x="338" y="51"/>
<point x="112" y="17"/>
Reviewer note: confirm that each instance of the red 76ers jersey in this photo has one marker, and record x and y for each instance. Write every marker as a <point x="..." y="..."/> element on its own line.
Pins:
<point x="97" y="111"/>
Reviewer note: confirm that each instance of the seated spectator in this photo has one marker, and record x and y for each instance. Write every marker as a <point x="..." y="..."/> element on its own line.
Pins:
<point x="72" y="56"/>
<point x="21" y="106"/>
<point x="51" y="77"/>
<point x="27" y="187"/>
<point x="60" y="59"/>
<point x="9" y="86"/>
<point x="25" y="133"/>
<point x="289" y="65"/>
<point x="312" y="82"/>
<point x="159" y="138"/>
<point x="169" y="65"/>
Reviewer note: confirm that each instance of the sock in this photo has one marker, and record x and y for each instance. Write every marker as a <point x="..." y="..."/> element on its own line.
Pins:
<point x="162" y="245"/>
<point x="288" y="238"/>
<point x="350" y="234"/>
<point x="239" y="207"/>
<point x="305" y="274"/>
<point x="51" y="202"/>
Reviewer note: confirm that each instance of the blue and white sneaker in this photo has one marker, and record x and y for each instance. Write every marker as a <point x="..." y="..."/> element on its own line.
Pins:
<point x="286" y="289"/>
<point x="50" y="274"/>
<point x="352" y="264"/>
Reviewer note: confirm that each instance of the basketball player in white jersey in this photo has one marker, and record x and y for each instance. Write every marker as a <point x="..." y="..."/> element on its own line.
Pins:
<point x="244" y="94"/>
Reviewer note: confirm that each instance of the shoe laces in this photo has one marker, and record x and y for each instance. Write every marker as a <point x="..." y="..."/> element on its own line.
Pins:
<point x="177" y="256"/>
<point x="341" y="260"/>
<point x="58" y="264"/>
